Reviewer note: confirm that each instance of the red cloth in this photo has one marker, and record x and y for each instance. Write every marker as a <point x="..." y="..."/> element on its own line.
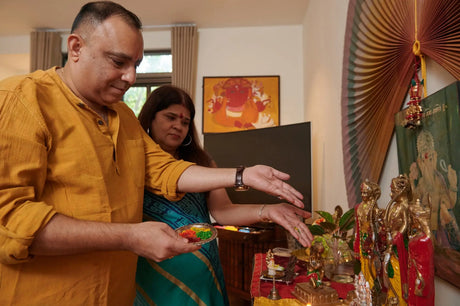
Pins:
<point x="421" y="260"/>
<point x="262" y="288"/>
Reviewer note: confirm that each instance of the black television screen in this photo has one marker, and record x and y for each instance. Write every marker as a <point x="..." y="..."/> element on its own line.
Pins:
<point x="286" y="148"/>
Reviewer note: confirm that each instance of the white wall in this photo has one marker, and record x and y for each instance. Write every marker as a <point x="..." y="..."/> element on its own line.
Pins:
<point x="255" y="51"/>
<point x="157" y="40"/>
<point x="323" y="48"/>
<point x="14" y="55"/>
<point x="323" y="42"/>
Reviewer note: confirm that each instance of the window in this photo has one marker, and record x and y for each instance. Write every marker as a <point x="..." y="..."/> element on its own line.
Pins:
<point x="155" y="70"/>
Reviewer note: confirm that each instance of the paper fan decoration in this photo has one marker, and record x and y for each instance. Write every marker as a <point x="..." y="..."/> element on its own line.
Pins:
<point x="383" y="40"/>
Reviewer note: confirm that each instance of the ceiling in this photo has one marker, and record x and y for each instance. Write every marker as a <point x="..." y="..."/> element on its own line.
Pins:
<point x="20" y="17"/>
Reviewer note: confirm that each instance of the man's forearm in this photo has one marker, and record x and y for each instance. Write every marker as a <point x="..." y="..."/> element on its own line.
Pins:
<point x="67" y="236"/>
<point x="64" y="235"/>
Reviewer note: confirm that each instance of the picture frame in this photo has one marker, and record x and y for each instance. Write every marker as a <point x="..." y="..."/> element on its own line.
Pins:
<point x="238" y="103"/>
<point x="428" y="155"/>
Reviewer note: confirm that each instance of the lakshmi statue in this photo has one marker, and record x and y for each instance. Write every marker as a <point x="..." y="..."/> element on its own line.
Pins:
<point x="366" y="232"/>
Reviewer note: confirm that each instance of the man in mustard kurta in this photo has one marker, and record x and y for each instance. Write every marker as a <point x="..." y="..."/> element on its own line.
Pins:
<point x="73" y="165"/>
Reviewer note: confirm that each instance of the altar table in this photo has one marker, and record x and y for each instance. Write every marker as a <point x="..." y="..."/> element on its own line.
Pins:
<point x="260" y="289"/>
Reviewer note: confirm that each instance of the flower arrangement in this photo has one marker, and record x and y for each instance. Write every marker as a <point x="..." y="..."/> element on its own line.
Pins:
<point x="337" y="225"/>
<point x="332" y="230"/>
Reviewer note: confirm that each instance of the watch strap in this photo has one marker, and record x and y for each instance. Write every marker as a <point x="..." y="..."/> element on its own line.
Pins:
<point x="239" y="184"/>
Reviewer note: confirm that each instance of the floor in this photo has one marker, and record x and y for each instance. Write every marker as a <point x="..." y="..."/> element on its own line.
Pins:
<point x="237" y="301"/>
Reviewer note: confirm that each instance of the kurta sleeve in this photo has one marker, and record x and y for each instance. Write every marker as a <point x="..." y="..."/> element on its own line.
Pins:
<point x="162" y="170"/>
<point x="23" y="170"/>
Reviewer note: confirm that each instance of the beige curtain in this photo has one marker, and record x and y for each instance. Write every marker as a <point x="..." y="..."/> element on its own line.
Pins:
<point x="45" y="50"/>
<point x="184" y="53"/>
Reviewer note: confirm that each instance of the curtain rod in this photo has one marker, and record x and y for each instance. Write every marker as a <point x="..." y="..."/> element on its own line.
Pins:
<point x="147" y="27"/>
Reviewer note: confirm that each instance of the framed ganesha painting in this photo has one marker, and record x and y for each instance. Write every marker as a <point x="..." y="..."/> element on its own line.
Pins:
<point x="240" y="103"/>
<point x="429" y="156"/>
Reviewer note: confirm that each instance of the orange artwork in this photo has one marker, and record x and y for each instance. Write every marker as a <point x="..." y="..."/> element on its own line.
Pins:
<point x="240" y="103"/>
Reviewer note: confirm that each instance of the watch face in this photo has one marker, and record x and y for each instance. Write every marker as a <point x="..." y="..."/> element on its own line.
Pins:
<point x="241" y="188"/>
<point x="198" y="233"/>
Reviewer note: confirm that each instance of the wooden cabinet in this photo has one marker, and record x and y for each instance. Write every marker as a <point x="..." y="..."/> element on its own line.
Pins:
<point x="237" y="249"/>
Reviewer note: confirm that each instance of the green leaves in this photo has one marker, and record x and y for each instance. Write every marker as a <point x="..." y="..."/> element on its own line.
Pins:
<point x="328" y="223"/>
<point x="327" y="216"/>
<point x="347" y="221"/>
<point x="316" y="230"/>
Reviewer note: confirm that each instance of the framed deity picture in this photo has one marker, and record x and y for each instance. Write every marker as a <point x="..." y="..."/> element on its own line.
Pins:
<point x="240" y="103"/>
<point x="429" y="156"/>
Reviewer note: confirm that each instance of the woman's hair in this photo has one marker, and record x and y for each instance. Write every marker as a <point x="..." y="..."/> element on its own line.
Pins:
<point x="162" y="98"/>
<point x="94" y="13"/>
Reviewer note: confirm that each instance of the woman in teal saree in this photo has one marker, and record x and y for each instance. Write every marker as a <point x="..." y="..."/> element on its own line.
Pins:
<point x="188" y="279"/>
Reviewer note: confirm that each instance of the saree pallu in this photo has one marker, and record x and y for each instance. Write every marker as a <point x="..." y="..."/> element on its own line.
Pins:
<point x="187" y="279"/>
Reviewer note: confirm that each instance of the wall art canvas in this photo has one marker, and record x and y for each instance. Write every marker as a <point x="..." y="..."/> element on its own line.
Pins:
<point x="240" y="103"/>
<point x="430" y="156"/>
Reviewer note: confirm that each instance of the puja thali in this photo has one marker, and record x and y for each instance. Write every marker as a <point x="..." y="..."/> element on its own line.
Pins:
<point x="198" y="233"/>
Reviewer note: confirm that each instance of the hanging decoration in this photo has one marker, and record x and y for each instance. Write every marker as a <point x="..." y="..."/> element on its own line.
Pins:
<point x="414" y="109"/>
<point x="381" y="40"/>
